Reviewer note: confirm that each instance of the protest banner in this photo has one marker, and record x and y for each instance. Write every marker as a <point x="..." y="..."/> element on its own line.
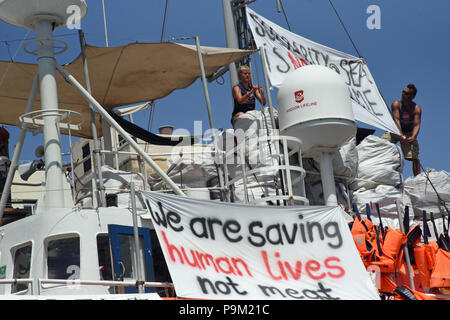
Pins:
<point x="286" y="51"/>
<point x="217" y="250"/>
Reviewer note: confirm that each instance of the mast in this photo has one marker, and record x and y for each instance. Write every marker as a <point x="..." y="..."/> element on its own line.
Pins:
<point x="44" y="16"/>
<point x="54" y="196"/>
<point x="230" y="33"/>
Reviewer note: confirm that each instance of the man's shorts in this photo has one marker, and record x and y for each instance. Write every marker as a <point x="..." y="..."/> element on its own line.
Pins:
<point x="410" y="149"/>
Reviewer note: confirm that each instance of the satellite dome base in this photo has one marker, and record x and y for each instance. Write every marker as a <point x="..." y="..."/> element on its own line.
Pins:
<point x="25" y="13"/>
<point x="311" y="135"/>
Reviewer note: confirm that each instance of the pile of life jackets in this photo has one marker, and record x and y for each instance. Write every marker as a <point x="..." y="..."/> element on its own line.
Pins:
<point x="382" y="252"/>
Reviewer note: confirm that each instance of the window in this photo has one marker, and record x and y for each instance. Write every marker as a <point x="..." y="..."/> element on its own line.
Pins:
<point x="129" y="264"/>
<point x="87" y="165"/>
<point x="63" y="258"/>
<point x="22" y="266"/>
<point x="111" y="200"/>
<point x="104" y="257"/>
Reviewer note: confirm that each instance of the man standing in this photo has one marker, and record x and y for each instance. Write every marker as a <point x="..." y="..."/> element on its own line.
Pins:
<point x="407" y="116"/>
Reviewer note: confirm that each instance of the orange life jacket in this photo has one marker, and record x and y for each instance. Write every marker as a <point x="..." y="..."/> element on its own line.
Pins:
<point x="391" y="250"/>
<point x="425" y="257"/>
<point x="440" y="276"/>
<point x="362" y="232"/>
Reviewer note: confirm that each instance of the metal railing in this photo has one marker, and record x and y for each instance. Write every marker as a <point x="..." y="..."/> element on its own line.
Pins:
<point x="78" y="282"/>
<point x="280" y="167"/>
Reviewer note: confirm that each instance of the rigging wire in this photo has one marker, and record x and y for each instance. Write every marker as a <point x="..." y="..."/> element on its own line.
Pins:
<point x="163" y="29"/>
<point x="284" y="13"/>
<point x="12" y="57"/>
<point x="346" y="31"/>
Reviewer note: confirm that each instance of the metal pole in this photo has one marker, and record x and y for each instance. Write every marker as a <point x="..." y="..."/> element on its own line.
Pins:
<point x="54" y="194"/>
<point x="232" y="42"/>
<point x="101" y="189"/>
<point x="288" y="172"/>
<point x="104" y="23"/>
<point x="327" y="176"/>
<point x="18" y="149"/>
<point x="266" y="82"/>
<point x="208" y="106"/>
<point x="137" y="252"/>
<point x="244" y="170"/>
<point x="405" y="247"/>
<point x="69" y="78"/>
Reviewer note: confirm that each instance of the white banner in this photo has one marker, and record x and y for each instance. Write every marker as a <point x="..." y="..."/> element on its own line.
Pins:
<point x="217" y="250"/>
<point x="286" y="51"/>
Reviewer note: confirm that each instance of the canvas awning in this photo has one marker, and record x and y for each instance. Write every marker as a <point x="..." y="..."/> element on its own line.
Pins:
<point x="119" y="76"/>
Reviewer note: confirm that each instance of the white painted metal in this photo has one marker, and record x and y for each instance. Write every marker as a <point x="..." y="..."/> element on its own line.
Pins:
<point x="25" y="13"/>
<point x="49" y="101"/>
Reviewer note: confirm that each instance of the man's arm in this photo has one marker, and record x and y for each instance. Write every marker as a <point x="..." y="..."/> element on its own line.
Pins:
<point x="417" y="119"/>
<point x="395" y="107"/>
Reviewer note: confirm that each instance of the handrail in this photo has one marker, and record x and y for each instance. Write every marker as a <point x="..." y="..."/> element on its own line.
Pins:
<point x="28" y="281"/>
<point x="66" y="282"/>
<point x="284" y="166"/>
<point x="108" y="283"/>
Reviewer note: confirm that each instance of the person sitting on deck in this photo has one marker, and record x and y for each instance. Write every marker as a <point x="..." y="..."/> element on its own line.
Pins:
<point x="244" y="94"/>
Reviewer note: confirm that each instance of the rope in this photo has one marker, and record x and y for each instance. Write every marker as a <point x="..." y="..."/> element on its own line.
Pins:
<point x="346" y="31"/>
<point x="440" y="200"/>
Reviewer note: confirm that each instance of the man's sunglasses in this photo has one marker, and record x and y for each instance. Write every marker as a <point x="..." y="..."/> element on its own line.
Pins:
<point x="407" y="93"/>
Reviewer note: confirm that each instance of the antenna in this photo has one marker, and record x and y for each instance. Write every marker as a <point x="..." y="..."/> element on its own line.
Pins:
<point x="278" y="6"/>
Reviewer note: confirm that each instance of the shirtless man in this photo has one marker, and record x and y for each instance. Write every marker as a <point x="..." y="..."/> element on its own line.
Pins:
<point x="407" y="116"/>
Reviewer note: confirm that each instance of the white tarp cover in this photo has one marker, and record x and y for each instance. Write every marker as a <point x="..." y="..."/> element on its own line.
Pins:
<point x="286" y="51"/>
<point x="424" y="197"/>
<point x="220" y="250"/>
<point x="380" y="163"/>
<point x="386" y="196"/>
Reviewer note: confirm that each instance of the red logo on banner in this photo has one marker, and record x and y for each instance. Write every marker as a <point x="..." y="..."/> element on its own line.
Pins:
<point x="299" y="96"/>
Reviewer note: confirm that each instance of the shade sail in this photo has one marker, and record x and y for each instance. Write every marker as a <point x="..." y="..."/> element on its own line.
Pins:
<point x="119" y="76"/>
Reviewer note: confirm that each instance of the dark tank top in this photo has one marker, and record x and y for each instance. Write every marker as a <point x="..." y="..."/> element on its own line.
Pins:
<point x="247" y="106"/>
<point x="407" y="119"/>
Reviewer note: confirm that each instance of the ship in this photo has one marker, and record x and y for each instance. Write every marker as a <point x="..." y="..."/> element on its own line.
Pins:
<point x="262" y="211"/>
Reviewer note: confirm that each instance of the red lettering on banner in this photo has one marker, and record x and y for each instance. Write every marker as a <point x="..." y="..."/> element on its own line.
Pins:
<point x="296" y="61"/>
<point x="313" y="268"/>
<point x="200" y="260"/>
<point x="171" y="248"/>
<point x="341" y="270"/>
<point x="297" y="272"/>
<point x="267" y="264"/>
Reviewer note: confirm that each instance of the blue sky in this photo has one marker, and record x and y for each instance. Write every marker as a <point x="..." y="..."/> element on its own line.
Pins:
<point x="411" y="46"/>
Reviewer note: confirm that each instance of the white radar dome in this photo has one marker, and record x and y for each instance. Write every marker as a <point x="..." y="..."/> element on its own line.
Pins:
<point x="23" y="13"/>
<point x="314" y="105"/>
